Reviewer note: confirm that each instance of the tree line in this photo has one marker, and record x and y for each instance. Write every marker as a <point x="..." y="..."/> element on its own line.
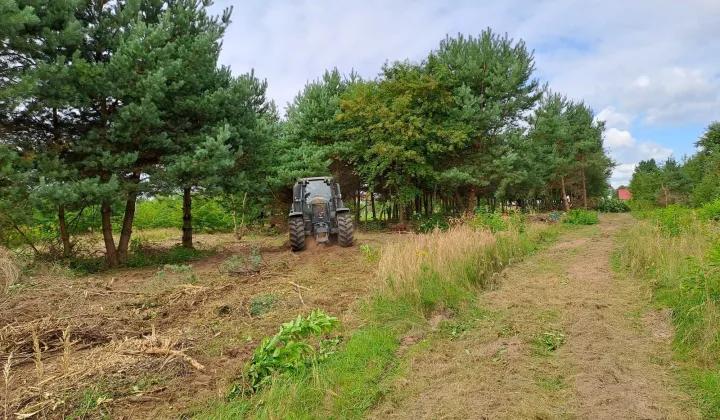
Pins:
<point x="105" y="102"/>
<point x="692" y="181"/>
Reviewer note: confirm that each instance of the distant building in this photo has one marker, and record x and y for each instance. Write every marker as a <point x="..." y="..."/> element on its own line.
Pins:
<point x="624" y="194"/>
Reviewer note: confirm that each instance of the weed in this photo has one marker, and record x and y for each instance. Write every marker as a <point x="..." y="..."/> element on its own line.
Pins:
<point x="6" y="376"/>
<point x="286" y="352"/>
<point x="371" y="255"/>
<point x="37" y="355"/>
<point x="178" y="268"/>
<point x="144" y="384"/>
<point x="91" y="402"/>
<point x="581" y="217"/>
<point x="262" y="304"/>
<point x="549" y="341"/>
<point x="555" y="383"/>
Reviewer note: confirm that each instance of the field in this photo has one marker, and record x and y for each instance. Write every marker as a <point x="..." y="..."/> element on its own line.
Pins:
<point x="547" y="324"/>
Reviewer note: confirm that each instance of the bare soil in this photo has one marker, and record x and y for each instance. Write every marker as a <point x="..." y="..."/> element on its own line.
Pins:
<point x="156" y="342"/>
<point x="566" y="337"/>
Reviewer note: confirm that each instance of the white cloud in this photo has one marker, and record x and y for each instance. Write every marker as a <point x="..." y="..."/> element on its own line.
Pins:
<point x="619" y="138"/>
<point x="627" y="151"/>
<point x="591" y="50"/>
<point x="622" y="174"/>
<point x="613" y="118"/>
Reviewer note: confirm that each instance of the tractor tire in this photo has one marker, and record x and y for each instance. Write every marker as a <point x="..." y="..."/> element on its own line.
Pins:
<point x="297" y="234"/>
<point x="346" y="230"/>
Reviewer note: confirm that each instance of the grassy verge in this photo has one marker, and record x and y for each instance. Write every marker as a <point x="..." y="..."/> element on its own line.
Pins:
<point x="679" y="255"/>
<point x="421" y="277"/>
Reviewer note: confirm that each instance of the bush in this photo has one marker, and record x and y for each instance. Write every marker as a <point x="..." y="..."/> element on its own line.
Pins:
<point x="495" y="221"/>
<point x="434" y="221"/>
<point x="710" y="211"/>
<point x="672" y="220"/>
<point x="581" y="217"/>
<point x="613" y="205"/>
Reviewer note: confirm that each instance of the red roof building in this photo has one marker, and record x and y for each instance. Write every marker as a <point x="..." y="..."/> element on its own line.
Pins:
<point x="624" y="194"/>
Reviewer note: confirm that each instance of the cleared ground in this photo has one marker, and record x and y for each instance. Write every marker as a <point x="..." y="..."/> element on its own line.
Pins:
<point x="562" y="336"/>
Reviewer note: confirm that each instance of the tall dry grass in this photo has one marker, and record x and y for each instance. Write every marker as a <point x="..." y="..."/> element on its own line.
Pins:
<point x="683" y="267"/>
<point x="9" y="269"/>
<point x="445" y="268"/>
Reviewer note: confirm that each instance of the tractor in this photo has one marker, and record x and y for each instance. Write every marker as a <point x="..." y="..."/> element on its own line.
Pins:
<point x="318" y="210"/>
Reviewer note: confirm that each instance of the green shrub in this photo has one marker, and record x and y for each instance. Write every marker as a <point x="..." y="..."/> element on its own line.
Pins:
<point x="710" y="211"/>
<point x="435" y="221"/>
<point x="613" y="205"/>
<point x="287" y="352"/>
<point x="581" y="217"/>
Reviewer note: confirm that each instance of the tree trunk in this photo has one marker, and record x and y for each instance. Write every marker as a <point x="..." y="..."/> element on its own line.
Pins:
<point x="584" y="186"/>
<point x="357" y="207"/>
<point x="372" y="203"/>
<point x="110" y="250"/>
<point x="566" y="204"/>
<point x="64" y="235"/>
<point x="126" y="232"/>
<point x="471" y="200"/>
<point x="187" y="238"/>
<point x="401" y="213"/>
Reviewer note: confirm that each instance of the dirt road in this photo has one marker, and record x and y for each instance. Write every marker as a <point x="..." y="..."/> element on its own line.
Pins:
<point x="564" y="336"/>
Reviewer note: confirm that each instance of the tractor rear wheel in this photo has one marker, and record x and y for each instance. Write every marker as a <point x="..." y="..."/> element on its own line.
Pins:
<point x="345" y="230"/>
<point x="297" y="234"/>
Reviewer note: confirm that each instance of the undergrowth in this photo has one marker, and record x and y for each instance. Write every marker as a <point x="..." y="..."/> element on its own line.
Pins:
<point x="439" y="271"/>
<point x="581" y="217"/>
<point x="679" y="255"/>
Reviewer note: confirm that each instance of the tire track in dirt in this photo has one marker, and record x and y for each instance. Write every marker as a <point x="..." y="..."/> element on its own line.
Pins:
<point x="566" y="337"/>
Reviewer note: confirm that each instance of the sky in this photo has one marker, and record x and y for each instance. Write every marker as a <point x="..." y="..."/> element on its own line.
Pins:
<point x="649" y="68"/>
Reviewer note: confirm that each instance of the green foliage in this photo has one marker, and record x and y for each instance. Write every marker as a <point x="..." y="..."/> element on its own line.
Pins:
<point x="672" y="220"/>
<point x="286" y="352"/>
<point x="710" y="211"/>
<point x="262" y="304"/>
<point x="495" y="221"/>
<point x="436" y="221"/>
<point x="613" y="205"/>
<point x="371" y="255"/>
<point x="581" y="217"/>
<point x="549" y="341"/>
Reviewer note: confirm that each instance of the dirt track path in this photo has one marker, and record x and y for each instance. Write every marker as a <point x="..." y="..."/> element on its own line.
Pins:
<point x="565" y="337"/>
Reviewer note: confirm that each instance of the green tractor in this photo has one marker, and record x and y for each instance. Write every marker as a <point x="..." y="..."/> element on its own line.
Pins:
<point x="318" y="210"/>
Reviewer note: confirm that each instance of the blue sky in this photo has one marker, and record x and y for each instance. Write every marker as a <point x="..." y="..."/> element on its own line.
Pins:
<point x="649" y="68"/>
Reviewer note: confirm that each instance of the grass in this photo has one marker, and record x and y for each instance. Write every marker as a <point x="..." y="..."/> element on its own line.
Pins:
<point x="679" y="255"/>
<point x="581" y="217"/>
<point x="419" y="277"/>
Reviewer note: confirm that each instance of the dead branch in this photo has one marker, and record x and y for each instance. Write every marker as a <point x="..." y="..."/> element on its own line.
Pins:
<point x="176" y="353"/>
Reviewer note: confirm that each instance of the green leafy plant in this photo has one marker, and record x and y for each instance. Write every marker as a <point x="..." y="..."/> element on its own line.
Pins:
<point x="262" y="304"/>
<point x="613" y="205"/>
<point x="286" y="351"/>
<point x="549" y="341"/>
<point x="435" y="221"/>
<point x="581" y="217"/>
<point x="371" y="255"/>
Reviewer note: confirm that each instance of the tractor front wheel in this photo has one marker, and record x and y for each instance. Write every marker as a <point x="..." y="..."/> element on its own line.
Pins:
<point x="297" y="234"/>
<point x="345" y="230"/>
